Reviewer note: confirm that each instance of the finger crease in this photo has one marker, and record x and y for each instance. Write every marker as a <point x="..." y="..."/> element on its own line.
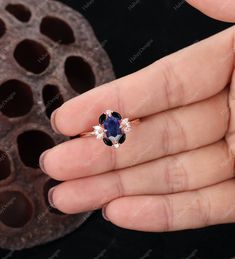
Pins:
<point x="168" y="212"/>
<point x="166" y="138"/>
<point x="180" y="131"/>
<point x="119" y="185"/>
<point x="204" y="208"/>
<point x="174" y="91"/>
<point x="176" y="175"/>
<point x="119" y="102"/>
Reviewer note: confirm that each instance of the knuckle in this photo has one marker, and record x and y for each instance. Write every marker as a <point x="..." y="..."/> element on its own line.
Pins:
<point x="166" y="138"/>
<point x="201" y="207"/>
<point x="119" y="185"/>
<point x="174" y="138"/>
<point x="119" y="102"/>
<point x="167" y="203"/>
<point x="174" y="91"/>
<point x="176" y="176"/>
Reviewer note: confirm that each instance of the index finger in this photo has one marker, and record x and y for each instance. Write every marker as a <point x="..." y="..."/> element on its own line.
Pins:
<point x="221" y="10"/>
<point x="187" y="76"/>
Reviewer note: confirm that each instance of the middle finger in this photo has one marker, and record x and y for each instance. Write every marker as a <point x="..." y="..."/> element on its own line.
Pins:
<point x="156" y="136"/>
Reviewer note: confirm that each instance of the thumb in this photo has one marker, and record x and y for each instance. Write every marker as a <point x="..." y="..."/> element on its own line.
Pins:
<point x="220" y="10"/>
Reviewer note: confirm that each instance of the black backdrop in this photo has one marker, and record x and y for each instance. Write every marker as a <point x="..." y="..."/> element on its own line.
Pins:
<point x="124" y="27"/>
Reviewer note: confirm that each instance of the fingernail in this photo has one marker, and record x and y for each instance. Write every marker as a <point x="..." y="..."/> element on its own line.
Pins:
<point x="104" y="213"/>
<point x="53" y="125"/>
<point x="50" y="197"/>
<point x="41" y="161"/>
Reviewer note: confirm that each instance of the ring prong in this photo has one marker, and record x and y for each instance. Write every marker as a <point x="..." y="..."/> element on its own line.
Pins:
<point x="102" y="118"/>
<point x="117" y="115"/>
<point x="107" y="142"/>
<point x="122" y="139"/>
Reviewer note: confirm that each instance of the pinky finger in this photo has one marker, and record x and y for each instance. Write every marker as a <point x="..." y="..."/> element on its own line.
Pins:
<point x="194" y="209"/>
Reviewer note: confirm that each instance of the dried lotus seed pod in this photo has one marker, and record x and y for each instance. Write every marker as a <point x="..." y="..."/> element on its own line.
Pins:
<point x="48" y="54"/>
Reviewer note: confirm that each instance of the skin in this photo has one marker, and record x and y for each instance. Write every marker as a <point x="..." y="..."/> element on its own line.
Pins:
<point x="180" y="174"/>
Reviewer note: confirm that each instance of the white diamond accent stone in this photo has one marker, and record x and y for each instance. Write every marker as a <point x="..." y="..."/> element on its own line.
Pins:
<point x="109" y="113"/>
<point x="98" y="132"/>
<point x="117" y="145"/>
<point x="125" y="125"/>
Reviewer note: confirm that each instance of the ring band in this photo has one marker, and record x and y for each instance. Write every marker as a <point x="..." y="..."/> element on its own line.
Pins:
<point x="112" y="128"/>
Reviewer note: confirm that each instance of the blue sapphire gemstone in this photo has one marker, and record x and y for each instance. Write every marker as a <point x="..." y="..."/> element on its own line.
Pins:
<point x="112" y="125"/>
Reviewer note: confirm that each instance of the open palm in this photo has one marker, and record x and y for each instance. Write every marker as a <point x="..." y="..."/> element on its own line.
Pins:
<point x="176" y="168"/>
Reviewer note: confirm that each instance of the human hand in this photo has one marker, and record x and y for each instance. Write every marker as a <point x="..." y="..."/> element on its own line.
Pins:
<point x="176" y="168"/>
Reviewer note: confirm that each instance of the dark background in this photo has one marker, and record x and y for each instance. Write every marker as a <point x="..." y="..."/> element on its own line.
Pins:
<point x="167" y="26"/>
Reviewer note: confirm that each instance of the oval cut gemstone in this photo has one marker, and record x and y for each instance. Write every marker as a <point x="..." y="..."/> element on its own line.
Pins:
<point x="112" y="125"/>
